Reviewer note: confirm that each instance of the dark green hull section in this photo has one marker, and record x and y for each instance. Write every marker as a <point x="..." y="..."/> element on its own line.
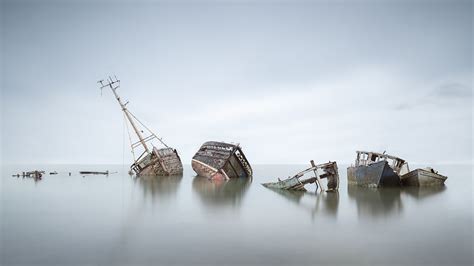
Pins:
<point x="378" y="174"/>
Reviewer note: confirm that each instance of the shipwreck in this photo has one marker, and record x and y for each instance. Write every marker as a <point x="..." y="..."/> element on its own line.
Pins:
<point x="374" y="169"/>
<point x="36" y="174"/>
<point x="423" y="177"/>
<point x="220" y="160"/>
<point x="328" y="171"/>
<point x="151" y="161"/>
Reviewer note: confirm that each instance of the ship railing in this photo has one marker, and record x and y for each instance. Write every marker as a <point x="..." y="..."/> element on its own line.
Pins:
<point x="217" y="147"/>
<point x="147" y="139"/>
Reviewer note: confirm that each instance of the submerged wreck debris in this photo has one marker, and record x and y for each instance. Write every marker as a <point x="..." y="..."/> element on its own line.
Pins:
<point x="162" y="187"/>
<point x="297" y="182"/>
<point x="374" y="169"/>
<point x="151" y="161"/>
<point x="423" y="192"/>
<point x="423" y="177"/>
<point x="219" y="160"/>
<point x="36" y="174"/>
<point x="318" y="202"/>
<point x="376" y="202"/>
<point x="95" y="173"/>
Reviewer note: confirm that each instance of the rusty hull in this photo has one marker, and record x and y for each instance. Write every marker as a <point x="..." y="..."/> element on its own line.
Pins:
<point x="373" y="175"/>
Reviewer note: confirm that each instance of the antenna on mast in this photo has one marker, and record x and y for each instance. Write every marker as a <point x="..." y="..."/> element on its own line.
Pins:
<point x="114" y="84"/>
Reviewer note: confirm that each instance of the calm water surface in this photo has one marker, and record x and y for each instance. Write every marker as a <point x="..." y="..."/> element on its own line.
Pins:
<point x="119" y="220"/>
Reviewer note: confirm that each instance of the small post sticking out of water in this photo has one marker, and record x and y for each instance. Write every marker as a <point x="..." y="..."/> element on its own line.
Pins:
<point x="318" y="180"/>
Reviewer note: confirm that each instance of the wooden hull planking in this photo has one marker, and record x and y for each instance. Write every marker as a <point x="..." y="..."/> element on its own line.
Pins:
<point x="219" y="160"/>
<point x="161" y="162"/>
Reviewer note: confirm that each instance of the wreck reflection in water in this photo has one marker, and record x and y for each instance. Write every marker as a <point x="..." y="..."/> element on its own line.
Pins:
<point x="376" y="202"/>
<point x="190" y="220"/>
<point x="421" y="193"/>
<point x="322" y="203"/>
<point x="221" y="192"/>
<point x="159" y="186"/>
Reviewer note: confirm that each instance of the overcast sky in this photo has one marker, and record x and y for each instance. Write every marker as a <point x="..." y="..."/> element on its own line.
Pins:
<point x="289" y="81"/>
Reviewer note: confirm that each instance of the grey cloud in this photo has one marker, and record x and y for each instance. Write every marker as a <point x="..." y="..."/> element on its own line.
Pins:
<point x="445" y="94"/>
<point x="319" y="72"/>
<point x="453" y="90"/>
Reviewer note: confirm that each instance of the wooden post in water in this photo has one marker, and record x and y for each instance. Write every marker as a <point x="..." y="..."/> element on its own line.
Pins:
<point x="315" y="169"/>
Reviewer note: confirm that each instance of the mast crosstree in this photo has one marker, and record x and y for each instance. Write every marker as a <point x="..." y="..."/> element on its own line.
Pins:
<point x="114" y="84"/>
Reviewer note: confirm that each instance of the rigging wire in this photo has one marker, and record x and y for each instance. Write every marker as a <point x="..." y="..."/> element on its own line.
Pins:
<point x="160" y="139"/>
<point x="129" y="137"/>
<point x="123" y="143"/>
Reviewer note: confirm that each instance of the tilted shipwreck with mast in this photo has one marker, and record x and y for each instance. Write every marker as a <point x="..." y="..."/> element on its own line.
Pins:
<point x="152" y="161"/>
<point x="220" y="160"/>
<point x="298" y="181"/>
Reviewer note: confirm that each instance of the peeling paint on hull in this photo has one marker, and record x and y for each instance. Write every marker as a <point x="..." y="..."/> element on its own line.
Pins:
<point x="373" y="175"/>
<point x="220" y="160"/>
<point x="205" y="170"/>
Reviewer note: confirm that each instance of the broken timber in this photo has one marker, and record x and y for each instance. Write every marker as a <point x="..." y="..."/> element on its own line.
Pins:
<point x="321" y="171"/>
<point x="152" y="161"/>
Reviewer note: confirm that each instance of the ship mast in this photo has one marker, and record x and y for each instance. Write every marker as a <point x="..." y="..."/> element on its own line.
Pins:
<point x="114" y="84"/>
